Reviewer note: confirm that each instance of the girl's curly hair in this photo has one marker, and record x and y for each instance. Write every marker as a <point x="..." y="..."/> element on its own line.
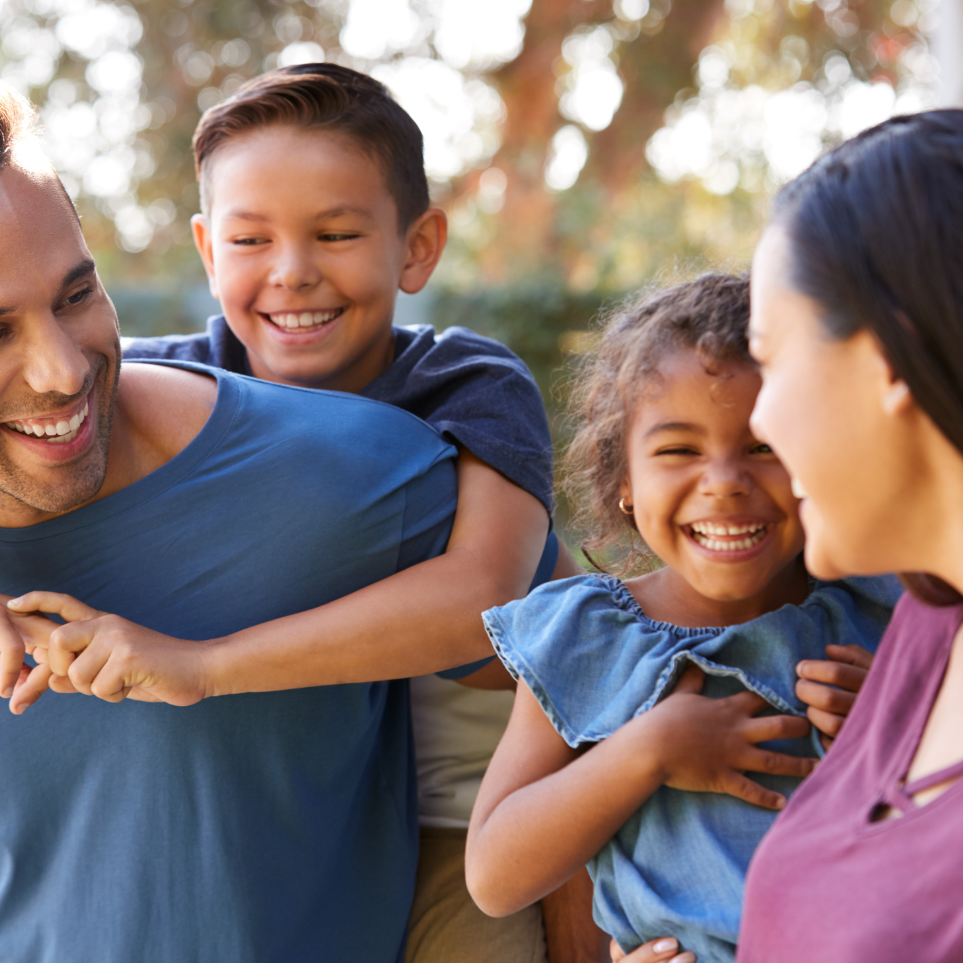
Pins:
<point x="710" y="315"/>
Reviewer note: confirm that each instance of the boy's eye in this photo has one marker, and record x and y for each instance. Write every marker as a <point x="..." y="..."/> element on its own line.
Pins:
<point x="337" y="236"/>
<point x="248" y="241"/>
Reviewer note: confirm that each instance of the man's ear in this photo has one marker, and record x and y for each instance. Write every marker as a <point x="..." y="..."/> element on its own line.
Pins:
<point x="426" y="240"/>
<point x="202" y="241"/>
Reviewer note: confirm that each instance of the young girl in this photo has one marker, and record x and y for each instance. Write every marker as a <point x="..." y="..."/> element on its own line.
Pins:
<point x="600" y="762"/>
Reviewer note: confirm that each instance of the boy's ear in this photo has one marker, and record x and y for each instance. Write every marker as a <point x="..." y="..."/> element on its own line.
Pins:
<point x="426" y="241"/>
<point x="202" y="241"/>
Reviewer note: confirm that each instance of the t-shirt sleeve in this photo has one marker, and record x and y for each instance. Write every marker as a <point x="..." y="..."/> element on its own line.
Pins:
<point x="479" y="395"/>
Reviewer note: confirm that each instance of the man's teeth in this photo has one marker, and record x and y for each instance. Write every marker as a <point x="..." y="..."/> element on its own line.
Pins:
<point x="59" y="431"/>
<point x="306" y="319"/>
<point x="797" y="489"/>
<point x="703" y="533"/>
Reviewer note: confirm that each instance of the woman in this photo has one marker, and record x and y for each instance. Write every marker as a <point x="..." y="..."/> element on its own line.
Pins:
<point x="857" y="320"/>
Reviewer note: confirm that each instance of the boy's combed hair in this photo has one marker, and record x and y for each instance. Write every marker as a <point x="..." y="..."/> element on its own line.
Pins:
<point x="709" y="315"/>
<point x="327" y="97"/>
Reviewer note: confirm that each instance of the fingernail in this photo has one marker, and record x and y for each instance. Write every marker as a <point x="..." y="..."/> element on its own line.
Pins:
<point x="7" y="692"/>
<point x="14" y="601"/>
<point x="666" y="946"/>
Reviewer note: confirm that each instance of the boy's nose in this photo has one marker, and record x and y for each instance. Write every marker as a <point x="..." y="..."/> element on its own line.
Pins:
<point x="295" y="270"/>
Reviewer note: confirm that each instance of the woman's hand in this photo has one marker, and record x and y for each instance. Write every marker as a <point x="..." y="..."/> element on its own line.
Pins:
<point x="829" y="688"/>
<point x="108" y="657"/>
<point x="707" y="745"/>
<point x="655" y="951"/>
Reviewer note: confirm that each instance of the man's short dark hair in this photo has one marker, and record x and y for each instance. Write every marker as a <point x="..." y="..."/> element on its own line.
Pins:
<point x="327" y="97"/>
<point x="18" y="124"/>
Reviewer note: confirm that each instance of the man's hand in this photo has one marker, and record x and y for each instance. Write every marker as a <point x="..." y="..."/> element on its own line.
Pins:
<point x="707" y="745"/>
<point x="22" y="635"/>
<point x="106" y="656"/>
<point x="655" y="951"/>
<point x="829" y="687"/>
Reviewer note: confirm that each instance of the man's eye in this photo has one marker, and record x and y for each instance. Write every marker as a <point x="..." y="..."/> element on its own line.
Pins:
<point x="79" y="297"/>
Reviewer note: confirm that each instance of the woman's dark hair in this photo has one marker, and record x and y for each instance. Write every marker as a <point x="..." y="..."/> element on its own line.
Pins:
<point x="327" y="97"/>
<point x="710" y="316"/>
<point x="876" y="229"/>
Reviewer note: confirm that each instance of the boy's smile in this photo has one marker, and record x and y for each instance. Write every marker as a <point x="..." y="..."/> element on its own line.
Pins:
<point x="709" y="499"/>
<point x="303" y="249"/>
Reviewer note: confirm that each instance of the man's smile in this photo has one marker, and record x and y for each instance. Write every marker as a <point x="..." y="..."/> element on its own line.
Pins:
<point x="68" y="429"/>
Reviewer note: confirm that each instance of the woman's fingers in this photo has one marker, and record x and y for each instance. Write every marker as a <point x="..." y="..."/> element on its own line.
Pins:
<point x="662" y="950"/>
<point x="828" y="723"/>
<point x="825" y="697"/>
<point x="53" y="603"/>
<point x="853" y="654"/>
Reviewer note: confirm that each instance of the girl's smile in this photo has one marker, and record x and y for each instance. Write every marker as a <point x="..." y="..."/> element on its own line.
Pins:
<point x="709" y="499"/>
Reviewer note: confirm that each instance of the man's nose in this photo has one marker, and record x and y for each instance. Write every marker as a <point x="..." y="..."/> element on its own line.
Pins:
<point x="295" y="268"/>
<point x="52" y="360"/>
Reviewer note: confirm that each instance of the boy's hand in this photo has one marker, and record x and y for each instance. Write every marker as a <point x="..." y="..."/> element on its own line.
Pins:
<point x="829" y="688"/>
<point x="21" y="635"/>
<point x="707" y="745"/>
<point x="106" y="656"/>
<point x="655" y="951"/>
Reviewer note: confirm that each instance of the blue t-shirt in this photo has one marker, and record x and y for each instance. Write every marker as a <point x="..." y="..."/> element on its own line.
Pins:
<point x="472" y="389"/>
<point x="259" y="828"/>
<point x="594" y="660"/>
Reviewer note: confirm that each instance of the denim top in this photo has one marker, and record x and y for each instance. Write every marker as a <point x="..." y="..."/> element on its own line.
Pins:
<point x="594" y="660"/>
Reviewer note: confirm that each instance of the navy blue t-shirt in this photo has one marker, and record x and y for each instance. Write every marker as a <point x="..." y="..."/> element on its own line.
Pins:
<point x="271" y="827"/>
<point x="475" y="391"/>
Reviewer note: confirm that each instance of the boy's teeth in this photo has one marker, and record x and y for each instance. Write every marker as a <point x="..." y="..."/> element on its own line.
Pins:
<point x="62" y="430"/>
<point x="304" y="319"/>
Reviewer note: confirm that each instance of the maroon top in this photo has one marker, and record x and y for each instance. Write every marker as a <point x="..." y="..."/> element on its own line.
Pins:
<point x="828" y="883"/>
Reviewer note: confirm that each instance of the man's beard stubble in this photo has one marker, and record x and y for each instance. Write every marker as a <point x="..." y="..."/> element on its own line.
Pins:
<point x="83" y="480"/>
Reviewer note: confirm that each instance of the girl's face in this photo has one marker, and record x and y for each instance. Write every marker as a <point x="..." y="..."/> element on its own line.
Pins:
<point x="711" y="500"/>
<point x="834" y="412"/>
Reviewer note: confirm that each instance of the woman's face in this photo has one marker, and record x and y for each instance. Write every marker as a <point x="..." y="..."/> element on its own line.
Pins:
<point x="832" y="410"/>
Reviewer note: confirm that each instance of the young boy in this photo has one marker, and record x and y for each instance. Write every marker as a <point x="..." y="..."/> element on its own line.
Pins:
<point x="315" y="212"/>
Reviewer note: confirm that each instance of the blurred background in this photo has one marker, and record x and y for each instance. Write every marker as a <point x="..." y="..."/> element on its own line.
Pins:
<point x="582" y="148"/>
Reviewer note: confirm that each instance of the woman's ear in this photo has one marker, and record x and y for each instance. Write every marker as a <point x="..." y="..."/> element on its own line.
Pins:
<point x="894" y="394"/>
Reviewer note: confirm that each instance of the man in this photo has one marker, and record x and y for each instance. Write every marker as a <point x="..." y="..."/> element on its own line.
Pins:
<point x="253" y="828"/>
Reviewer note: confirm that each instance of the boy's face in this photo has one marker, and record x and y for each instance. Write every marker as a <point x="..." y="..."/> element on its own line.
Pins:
<point x="302" y="248"/>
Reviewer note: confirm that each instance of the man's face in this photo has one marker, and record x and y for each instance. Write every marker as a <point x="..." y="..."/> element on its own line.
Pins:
<point x="59" y="355"/>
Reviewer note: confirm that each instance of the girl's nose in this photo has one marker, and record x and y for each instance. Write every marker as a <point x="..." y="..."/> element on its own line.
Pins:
<point x="726" y="478"/>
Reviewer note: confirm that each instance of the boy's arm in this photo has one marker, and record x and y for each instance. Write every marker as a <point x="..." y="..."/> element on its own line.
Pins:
<point x="545" y="809"/>
<point x="422" y="620"/>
